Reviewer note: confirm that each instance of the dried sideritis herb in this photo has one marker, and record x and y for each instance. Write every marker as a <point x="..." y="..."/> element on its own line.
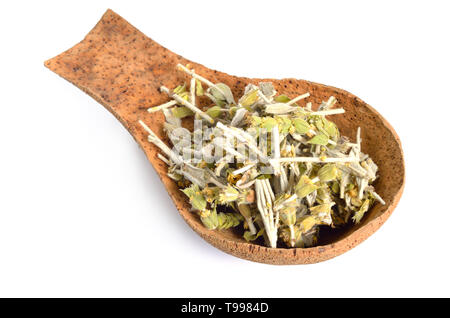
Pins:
<point x="261" y="161"/>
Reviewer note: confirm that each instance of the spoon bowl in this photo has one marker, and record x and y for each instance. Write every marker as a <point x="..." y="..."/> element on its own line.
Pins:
<point x="123" y="69"/>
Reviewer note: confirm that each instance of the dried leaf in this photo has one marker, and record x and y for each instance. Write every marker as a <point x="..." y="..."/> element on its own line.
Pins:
<point x="327" y="173"/>
<point x="198" y="88"/>
<point x="362" y="210"/>
<point x="223" y="94"/>
<point x="319" y="139"/>
<point x="304" y="187"/>
<point x="308" y="223"/>
<point x="228" y="220"/>
<point x="181" y="112"/>
<point x="267" y="89"/>
<point x="284" y="124"/>
<point x="248" y="236"/>
<point x="268" y="123"/>
<point x="180" y="89"/>
<point x="195" y="196"/>
<point x="228" y="194"/>
<point x="214" y="111"/>
<point x="282" y="99"/>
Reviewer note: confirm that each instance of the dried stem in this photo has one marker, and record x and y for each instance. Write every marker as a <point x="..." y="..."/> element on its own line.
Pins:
<point x="159" y="143"/>
<point x="293" y="101"/>
<point x="161" y="107"/>
<point x="200" y="78"/>
<point x="328" y="112"/>
<point x="189" y="105"/>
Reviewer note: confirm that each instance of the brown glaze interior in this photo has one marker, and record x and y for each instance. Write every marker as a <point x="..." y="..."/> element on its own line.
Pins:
<point x="122" y="69"/>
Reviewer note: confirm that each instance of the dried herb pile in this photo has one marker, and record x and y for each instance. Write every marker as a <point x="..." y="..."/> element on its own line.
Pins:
<point x="262" y="161"/>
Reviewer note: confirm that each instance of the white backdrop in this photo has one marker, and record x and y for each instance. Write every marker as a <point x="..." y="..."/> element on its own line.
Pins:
<point x="82" y="213"/>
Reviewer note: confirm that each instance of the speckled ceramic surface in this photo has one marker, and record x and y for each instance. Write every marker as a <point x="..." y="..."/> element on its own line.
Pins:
<point x="122" y="69"/>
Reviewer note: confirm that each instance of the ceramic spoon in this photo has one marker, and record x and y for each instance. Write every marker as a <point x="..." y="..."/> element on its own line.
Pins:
<point x="123" y="69"/>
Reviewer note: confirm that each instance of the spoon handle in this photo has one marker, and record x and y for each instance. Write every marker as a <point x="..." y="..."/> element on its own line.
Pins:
<point x="121" y="68"/>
